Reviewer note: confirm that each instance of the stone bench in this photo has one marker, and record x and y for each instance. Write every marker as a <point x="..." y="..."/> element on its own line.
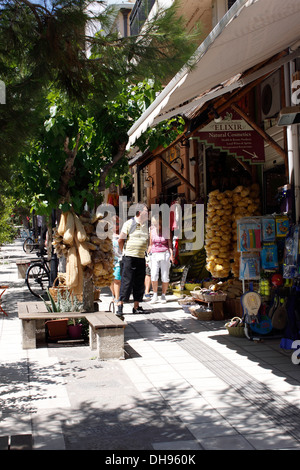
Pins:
<point x="33" y="316"/>
<point x="106" y="332"/>
<point x="106" y="329"/>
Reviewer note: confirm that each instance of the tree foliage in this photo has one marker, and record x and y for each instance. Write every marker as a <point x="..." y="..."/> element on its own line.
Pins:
<point x="71" y="95"/>
<point x="7" y="221"/>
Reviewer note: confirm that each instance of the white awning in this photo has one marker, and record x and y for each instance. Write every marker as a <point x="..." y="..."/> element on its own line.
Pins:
<point x="251" y="32"/>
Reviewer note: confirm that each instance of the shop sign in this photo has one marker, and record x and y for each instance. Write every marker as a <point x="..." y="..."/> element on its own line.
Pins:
<point x="234" y="135"/>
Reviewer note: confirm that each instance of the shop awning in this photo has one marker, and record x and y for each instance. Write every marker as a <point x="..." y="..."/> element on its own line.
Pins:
<point x="250" y="33"/>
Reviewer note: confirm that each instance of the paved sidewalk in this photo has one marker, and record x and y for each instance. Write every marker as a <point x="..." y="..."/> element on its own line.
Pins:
<point x="185" y="385"/>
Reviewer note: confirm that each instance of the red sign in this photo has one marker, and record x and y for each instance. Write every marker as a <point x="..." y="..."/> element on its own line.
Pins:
<point x="234" y="135"/>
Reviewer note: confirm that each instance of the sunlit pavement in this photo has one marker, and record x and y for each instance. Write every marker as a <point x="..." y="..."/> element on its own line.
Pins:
<point x="184" y="385"/>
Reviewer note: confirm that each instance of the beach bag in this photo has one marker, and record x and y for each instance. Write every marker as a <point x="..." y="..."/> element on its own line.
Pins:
<point x="278" y="313"/>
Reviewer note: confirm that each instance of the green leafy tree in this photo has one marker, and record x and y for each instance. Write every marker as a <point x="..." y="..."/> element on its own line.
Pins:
<point x="77" y="153"/>
<point x="72" y="96"/>
<point x="8" y="218"/>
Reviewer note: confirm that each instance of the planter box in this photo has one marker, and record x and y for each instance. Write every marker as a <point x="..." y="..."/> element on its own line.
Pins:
<point x="57" y="329"/>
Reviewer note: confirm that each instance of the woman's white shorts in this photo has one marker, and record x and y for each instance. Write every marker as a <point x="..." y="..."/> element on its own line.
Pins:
<point x="160" y="262"/>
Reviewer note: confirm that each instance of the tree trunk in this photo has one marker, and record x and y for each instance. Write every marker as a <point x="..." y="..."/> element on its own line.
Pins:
<point x="88" y="294"/>
<point x="69" y="168"/>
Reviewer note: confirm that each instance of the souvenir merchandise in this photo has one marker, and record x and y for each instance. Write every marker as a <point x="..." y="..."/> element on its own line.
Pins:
<point x="291" y="267"/>
<point x="277" y="280"/>
<point x="250" y="266"/>
<point x="251" y="303"/>
<point x="224" y="210"/>
<point x="269" y="257"/>
<point x="282" y="226"/>
<point x="268" y="229"/>
<point x="263" y="324"/>
<point x="278" y="313"/>
<point x="292" y="331"/>
<point x="254" y="314"/>
<point x="249" y="234"/>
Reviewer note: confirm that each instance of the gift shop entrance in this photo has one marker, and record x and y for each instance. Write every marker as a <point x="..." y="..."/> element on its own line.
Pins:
<point x="251" y="236"/>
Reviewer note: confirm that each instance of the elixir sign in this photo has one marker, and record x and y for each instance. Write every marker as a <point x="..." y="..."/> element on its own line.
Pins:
<point x="233" y="135"/>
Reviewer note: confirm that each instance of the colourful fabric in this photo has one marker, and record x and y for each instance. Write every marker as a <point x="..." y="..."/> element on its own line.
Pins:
<point x="117" y="272"/>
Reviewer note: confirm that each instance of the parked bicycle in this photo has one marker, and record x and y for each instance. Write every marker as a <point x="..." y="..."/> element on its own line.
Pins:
<point x="38" y="275"/>
<point x="30" y="244"/>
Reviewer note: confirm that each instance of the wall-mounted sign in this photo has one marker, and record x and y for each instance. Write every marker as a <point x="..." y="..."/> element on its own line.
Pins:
<point x="234" y="135"/>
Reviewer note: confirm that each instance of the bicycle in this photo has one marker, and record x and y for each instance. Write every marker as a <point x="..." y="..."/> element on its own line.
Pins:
<point x="38" y="276"/>
<point x="31" y="243"/>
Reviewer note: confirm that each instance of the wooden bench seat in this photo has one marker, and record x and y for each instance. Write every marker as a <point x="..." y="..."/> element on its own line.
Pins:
<point x="106" y="329"/>
<point x="106" y="333"/>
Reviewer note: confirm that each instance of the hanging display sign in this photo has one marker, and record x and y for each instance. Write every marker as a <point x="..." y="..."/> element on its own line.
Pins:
<point x="234" y="135"/>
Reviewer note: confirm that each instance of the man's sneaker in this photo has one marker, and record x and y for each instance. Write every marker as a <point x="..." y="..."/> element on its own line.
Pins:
<point x="138" y="310"/>
<point x="154" y="299"/>
<point x="163" y="299"/>
<point x="147" y="296"/>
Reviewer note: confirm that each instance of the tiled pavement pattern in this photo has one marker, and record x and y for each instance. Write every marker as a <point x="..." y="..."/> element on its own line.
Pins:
<point x="185" y="385"/>
<point x="262" y="398"/>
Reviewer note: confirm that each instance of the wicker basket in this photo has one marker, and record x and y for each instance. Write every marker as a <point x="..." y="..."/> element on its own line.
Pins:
<point x="197" y="293"/>
<point x="215" y="297"/>
<point x="204" y="315"/>
<point x="186" y="300"/>
<point x="59" y="285"/>
<point x="237" y="330"/>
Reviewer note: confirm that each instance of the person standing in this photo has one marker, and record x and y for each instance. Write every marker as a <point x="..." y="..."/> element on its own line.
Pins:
<point x="160" y="246"/>
<point x="148" y="278"/>
<point x="116" y="283"/>
<point x="133" y="240"/>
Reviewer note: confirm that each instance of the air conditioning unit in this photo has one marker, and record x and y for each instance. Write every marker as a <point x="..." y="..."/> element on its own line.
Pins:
<point x="270" y="96"/>
<point x="289" y="116"/>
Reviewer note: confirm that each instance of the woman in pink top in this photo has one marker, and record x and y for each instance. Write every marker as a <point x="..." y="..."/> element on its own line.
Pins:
<point x="160" y="246"/>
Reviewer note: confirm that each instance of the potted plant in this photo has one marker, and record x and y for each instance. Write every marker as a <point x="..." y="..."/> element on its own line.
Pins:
<point x="65" y="304"/>
<point x="74" y="329"/>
